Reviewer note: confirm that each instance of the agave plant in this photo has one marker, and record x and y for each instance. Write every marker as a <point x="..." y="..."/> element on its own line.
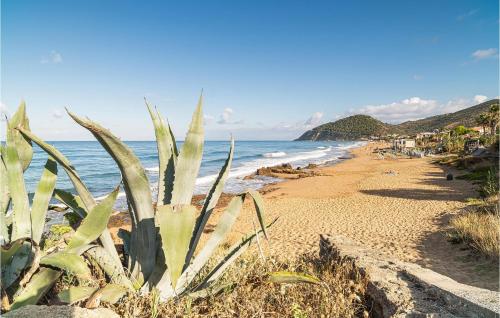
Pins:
<point x="27" y="271"/>
<point x="161" y="246"/>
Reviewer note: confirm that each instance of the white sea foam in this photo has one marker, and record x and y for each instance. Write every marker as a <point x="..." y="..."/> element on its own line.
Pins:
<point x="236" y="183"/>
<point x="277" y="154"/>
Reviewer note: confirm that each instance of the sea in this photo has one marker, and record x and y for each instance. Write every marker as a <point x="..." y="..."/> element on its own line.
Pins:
<point x="101" y="174"/>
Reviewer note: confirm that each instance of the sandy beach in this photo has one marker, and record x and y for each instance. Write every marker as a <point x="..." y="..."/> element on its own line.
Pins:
<point x="398" y="206"/>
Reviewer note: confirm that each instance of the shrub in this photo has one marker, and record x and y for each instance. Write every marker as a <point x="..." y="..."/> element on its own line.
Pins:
<point x="479" y="230"/>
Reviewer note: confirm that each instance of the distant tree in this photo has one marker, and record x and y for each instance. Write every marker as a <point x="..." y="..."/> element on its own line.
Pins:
<point x="483" y="120"/>
<point x="493" y="117"/>
<point x="460" y="130"/>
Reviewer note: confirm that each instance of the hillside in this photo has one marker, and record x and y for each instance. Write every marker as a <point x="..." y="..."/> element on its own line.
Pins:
<point x="363" y="126"/>
<point x="465" y="117"/>
<point x="349" y="128"/>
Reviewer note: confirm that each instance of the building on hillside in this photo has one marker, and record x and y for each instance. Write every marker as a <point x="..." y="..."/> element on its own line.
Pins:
<point x="403" y="143"/>
<point x="479" y="129"/>
<point x="426" y="134"/>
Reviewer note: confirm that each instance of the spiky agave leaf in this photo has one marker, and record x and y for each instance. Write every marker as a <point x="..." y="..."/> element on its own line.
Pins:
<point x="176" y="227"/>
<point x="94" y="223"/>
<point x="69" y="262"/>
<point x="285" y="277"/>
<point x="137" y="188"/>
<point x="188" y="163"/>
<point x="234" y="252"/>
<point x="259" y="208"/>
<point x="42" y="197"/>
<point x="113" y="271"/>
<point x="22" y="144"/>
<point x="80" y="187"/>
<point x="223" y="227"/>
<point x="4" y="200"/>
<point x="75" y="294"/>
<point x="210" y="202"/>
<point x="21" y="226"/>
<point x="112" y="293"/>
<point x="38" y="286"/>
<point x="74" y="202"/>
<point x="166" y="157"/>
<point x="15" y="258"/>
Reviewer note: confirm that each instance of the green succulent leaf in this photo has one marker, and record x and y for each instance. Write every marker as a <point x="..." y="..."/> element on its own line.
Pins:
<point x="69" y="262"/>
<point x="137" y="188"/>
<point x="95" y="222"/>
<point x="75" y="294"/>
<point x="176" y="228"/>
<point x="38" y="286"/>
<point x="4" y="200"/>
<point x="112" y="293"/>
<point x="166" y="157"/>
<point x="292" y="278"/>
<point x="223" y="227"/>
<point x="15" y="258"/>
<point x="234" y="252"/>
<point x="74" y="202"/>
<point x="259" y="208"/>
<point x="80" y="187"/>
<point x="21" y="226"/>
<point x="42" y="198"/>
<point x="22" y="144"/>
<point x="113" y="271"/>
<point x="210" y="202"/>
<point x="188" y="163"/>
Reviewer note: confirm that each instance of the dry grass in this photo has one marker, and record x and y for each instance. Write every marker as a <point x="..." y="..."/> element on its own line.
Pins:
<point x="341" y="293"/>
<point x="481" y="231"/>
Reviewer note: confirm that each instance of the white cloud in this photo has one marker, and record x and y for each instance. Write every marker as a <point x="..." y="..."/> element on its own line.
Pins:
<point x="53" y="58"/>
<point x="314" y="120"/>
<point x="480" y="98"/>
<point x="416" y="108"/>
<point x="467" y="14"/>
<point x="418" y="77"/>
<point x="57" y="113"/>
<point x="225" y="118"/>
<point x="485" y="54"/>
<point x="208" y="119"/>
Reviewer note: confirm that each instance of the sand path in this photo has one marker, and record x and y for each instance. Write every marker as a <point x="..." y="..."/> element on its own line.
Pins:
<point x="402" y="214"/>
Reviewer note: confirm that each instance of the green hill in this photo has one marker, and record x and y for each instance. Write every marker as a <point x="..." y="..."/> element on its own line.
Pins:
<point x="465" y="117"/>
<point x="349" y="128"/>
<point x="363" y="126"/>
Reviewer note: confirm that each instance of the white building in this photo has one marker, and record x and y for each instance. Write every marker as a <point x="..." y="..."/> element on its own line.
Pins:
<point x="403" y="143"/>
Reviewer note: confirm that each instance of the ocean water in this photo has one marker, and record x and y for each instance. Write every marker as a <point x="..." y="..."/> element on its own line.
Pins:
<point x="101" y="175"/>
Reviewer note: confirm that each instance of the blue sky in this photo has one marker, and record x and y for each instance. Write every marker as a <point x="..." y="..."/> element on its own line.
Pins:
<point x="269" y="69"/>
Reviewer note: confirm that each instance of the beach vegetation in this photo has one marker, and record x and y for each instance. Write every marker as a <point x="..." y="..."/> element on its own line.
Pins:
<point x="29" y="267"/>
<point x="341" y="293"/>
<point x="162" y="255"/>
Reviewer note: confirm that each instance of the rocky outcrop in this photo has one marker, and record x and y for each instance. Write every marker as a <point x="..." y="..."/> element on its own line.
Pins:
<point x="285" y="171"/>
<point x="400" y="289"/>
<point x="32" y="311"/>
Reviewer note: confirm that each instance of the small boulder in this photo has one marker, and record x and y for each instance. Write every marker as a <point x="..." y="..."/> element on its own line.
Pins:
<point x="32" y="311"/>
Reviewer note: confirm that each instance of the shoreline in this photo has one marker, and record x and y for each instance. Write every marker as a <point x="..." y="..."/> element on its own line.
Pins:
<point x="397" y="206"/>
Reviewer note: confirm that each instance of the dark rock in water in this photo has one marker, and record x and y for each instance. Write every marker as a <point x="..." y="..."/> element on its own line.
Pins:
<point x="449" y="177"/>
<point x="345" y="157"/>
<point x="311" y="166"/>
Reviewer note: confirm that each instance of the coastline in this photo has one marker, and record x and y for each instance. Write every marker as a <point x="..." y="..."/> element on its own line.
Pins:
<point x="399" y="207"/>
